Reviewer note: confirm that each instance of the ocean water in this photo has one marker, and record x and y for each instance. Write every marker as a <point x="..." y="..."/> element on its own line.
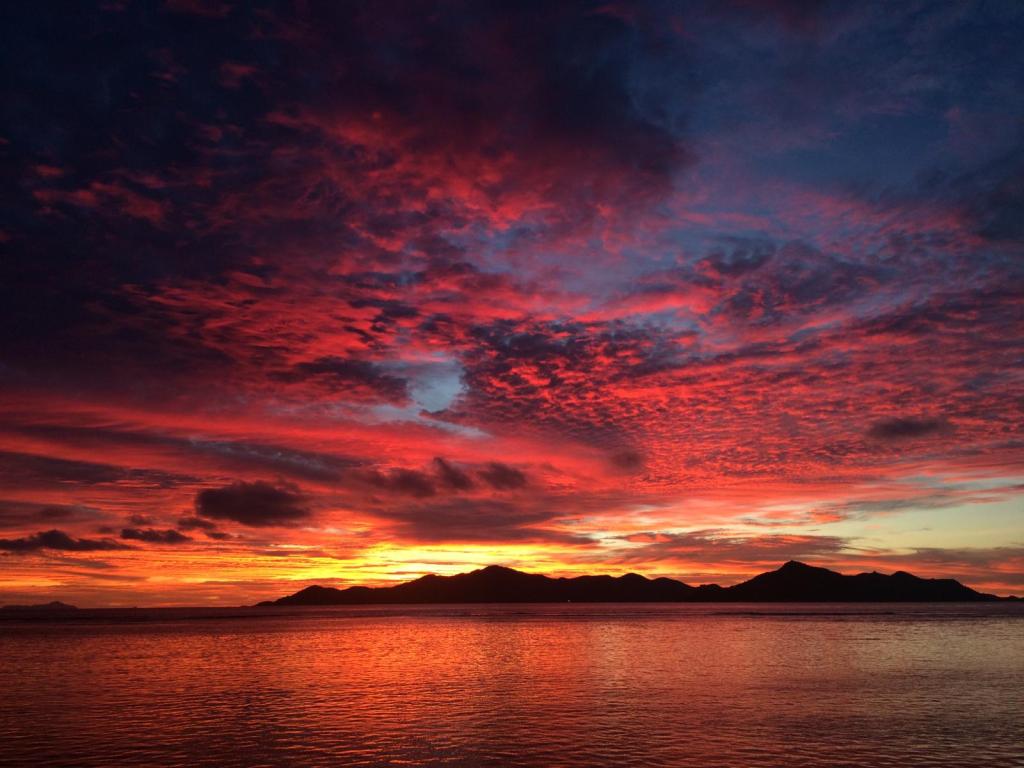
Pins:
<point x="518" y="685"/>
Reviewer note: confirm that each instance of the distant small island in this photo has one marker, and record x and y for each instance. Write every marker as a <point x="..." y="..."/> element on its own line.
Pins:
<point x="55" y="606"/>
<point x="794" y="582"/>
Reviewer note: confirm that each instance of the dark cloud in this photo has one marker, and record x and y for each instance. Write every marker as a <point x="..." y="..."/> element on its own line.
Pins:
<point x="990" y="197"/>
<point x="992" y="308"/>
<point x="745" y="256"/>
<point x="445" y="477"/>
<point x="153" y="536"/>
<point x="502" y="477"/>
<point x="407" y="482"/>
<point x="89" y="563"/>
<point x="255" y="504"/>
<point x="1000" y="213"/>
<point x="140" y="519"/>
<point x="58" y="540"/>
<point x="907" y="428"/>
<point x="20" y="514"/>
<point x="195" y="523"/>
<point x="303" y="128"/>
<point x="536" y="79"/>
<point x="451" y="476"/>
<point x="468" y="519"/>
<point x="795" y="280"/>
<point x="534" y="82"/>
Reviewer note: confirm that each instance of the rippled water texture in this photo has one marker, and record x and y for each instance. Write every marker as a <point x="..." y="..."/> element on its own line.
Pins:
<point x="520" y="686"/>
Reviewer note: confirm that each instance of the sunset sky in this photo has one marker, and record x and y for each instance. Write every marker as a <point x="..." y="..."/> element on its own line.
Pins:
<point x="351" y="292"/>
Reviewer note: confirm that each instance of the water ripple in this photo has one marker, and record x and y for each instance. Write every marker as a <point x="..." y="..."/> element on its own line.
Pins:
<point x="495" y="686"/>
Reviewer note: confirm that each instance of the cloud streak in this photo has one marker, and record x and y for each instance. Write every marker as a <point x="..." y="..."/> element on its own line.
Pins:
<point x="57" y="540"/>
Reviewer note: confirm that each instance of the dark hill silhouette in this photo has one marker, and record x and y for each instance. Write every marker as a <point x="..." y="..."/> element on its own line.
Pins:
<point x="497" y="584"/>
<point x="53" y="607"/>
<point x="798" y="582"/>
<point x="793" y="582"/>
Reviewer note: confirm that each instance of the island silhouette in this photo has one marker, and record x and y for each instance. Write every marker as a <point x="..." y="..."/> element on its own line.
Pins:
<point x="55" y="606"/>
<point x="792" y="582"/>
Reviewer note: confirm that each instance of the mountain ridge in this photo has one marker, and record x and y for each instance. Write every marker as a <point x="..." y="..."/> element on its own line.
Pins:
<point x="792" y="582"/>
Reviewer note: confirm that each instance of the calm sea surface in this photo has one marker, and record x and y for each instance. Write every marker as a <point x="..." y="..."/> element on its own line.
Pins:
<point x="536" y="685"/>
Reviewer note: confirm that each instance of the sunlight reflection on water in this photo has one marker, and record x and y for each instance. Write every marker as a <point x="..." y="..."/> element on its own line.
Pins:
<point x="520" y="686"/>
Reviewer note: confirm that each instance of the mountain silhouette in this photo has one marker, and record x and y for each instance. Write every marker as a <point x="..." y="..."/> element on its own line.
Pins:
<point x="793" y="582"/>
<point x="799" y="582"/>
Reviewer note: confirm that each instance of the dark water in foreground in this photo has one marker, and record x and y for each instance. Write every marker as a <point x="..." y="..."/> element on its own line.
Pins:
<point x="541" y="685"/>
